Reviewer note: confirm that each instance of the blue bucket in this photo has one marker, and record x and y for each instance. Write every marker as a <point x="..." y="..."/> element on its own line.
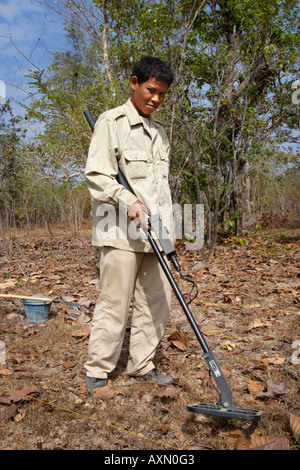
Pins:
<point x="37" y="310"/>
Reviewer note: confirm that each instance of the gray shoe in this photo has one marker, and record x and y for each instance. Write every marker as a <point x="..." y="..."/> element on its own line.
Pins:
<point x="92" y="383"/>
<point x="157" y="378"/>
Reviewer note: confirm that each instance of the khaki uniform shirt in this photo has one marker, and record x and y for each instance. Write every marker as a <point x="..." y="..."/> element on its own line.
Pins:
<point x="122" y="138"/>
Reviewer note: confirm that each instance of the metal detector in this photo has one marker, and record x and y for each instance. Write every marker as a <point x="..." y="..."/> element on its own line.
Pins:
<point x="224" y="408"/>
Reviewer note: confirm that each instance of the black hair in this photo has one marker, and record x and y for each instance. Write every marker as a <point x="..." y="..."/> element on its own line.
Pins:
<point x="148" y="67"/>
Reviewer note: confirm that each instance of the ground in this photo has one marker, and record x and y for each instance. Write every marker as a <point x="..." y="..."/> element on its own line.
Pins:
<point x="248" y="311"/>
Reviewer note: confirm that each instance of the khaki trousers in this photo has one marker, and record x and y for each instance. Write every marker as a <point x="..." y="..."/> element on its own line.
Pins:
<point x="123" y="274"/>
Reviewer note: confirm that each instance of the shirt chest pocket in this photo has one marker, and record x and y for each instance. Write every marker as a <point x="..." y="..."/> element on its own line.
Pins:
<point x="137" y="162"/>
<point x="164" y="163"/>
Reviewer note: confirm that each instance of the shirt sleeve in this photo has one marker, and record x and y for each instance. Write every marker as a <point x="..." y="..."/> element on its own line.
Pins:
<point x="102" y="167"/>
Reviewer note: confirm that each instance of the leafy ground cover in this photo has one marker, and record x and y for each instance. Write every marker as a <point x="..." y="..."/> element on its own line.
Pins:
<point x="247" y="307"/>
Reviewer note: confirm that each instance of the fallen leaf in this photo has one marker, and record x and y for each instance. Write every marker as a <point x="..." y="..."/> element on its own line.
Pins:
<point x="254" y="387"/>
<point x="5" y="372"/>
<point x="276" y="360"/>
<point x="261" y="443"/>
<point x="295" y="358"/>
<point x="78" y="334"/>
<point x="273" y="390"/>
<point x="164" y="429"/>
<point x="233" y="437"/>
<point x="227" y="299"/>
<point x="105" y="393"/>
<point x="169" y="392"/>
<point x="4" y="400"/>
<point x="71" y="312"/>
<point x="257" y="323"/>
<point x="21" y="395"/>
<point x="281" y="443"/>
<point x="255" y="364"/>
<point x="200" y="375"/>
<point x="210" y="330"/>
<point x="226" y="372"/>
<point x="6" y="284"/>
<point x="238" y="350"/>
<point x="227" y="345"/>
<point x="179" y="345"/>
<point x="79" y="401"/>
<point x="83" y="333"/>
<point x="178" y="339"/>
<point x="257" y="440"/>
<point x="69" y="364"/>
<point x="295" y="427"/>
<point x="85" y="302"/>
<point x="68" y="298"/>
<point x="242" y="443"/>
<point x="19" y="416"/>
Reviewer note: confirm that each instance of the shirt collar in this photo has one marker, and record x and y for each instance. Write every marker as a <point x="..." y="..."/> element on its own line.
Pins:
<point x="134" y="117"/>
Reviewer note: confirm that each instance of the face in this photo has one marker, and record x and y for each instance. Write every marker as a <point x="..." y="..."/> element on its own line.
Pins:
<point x="148" y="96"/>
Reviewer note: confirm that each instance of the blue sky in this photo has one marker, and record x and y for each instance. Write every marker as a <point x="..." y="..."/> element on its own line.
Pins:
<point x="29" y="34"/>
